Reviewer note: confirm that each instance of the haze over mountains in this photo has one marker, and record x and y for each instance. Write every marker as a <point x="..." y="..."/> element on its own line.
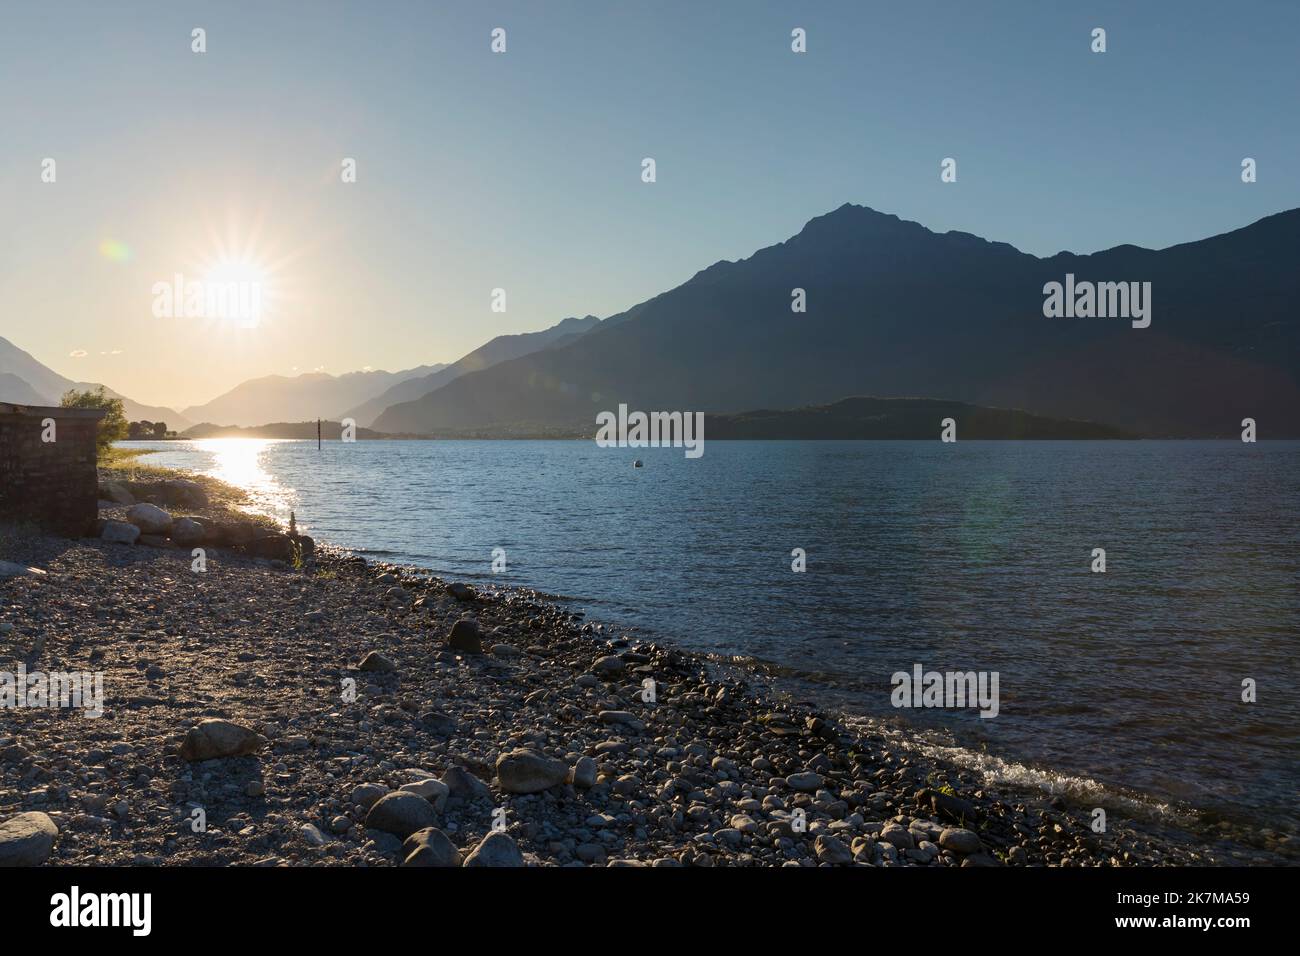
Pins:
<point x="309" y="396"/>
<point x="25" y="381"/>
<point x="894" y="309"/>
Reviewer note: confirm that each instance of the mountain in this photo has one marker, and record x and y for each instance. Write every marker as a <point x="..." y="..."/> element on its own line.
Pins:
<point x="14" y="389"/>
<point x="896" y="309"/>
<point x="27" y="382"/>
<point x="499" y="349"/>
<point x="863" y="417"/>
<point x="311" y="396"/>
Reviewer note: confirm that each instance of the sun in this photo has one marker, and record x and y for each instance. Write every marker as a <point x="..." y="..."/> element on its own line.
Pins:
<point x="236" y="278"/>
<point x="234" y="291"/>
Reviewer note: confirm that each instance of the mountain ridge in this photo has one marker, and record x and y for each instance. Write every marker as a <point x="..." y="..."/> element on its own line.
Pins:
<point x="898" y="309"/>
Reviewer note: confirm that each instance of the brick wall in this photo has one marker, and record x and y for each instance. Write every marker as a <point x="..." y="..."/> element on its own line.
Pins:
<point x="51" y="484"/>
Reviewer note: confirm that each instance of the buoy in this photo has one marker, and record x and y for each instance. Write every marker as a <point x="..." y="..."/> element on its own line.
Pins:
<point x="637" y="463"/>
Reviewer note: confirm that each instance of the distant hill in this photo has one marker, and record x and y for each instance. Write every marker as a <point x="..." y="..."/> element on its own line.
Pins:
<point x="14" y="389"/>
<point x="22" y="375"/>
<point x="330" y="431"/>
<point x="896" y="309"/>
<point x="864" y="417"/>
<point x="311" y="395"/>
<point x="500" y="349"/>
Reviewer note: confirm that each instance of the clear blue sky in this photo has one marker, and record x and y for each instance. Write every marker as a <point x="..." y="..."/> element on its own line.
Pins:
<point x="522" y="170"/>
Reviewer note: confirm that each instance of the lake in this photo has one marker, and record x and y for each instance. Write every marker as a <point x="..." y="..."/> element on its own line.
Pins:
<point x="973" y="556"/>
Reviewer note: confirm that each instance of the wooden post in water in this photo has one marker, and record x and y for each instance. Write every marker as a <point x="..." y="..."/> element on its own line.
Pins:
<point x="318" y="434"/>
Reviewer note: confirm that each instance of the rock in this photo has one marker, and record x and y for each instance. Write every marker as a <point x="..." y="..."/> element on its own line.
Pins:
<point x="183" y="491"/>
<point x="374" y="661"/>
<point x="367" y="795"/>
<point x="10" y="570"/>
<point x="27" y="839"/>
<point x="401" y="814"/>
<point x="505" y="650"/>
<point x="119" y="532"/>
<point x="116" y="492"/>
<point x="898" y="837"/>
<point x="312" y="835"/>
<point x="496" y="849"/>
<point x="960" y="841"/>
<point x="274" y="547"/>
<point x="254" y="788"/>
<point x="590" y="853"/>
<point x="806" y="782"/>
<point x="463" y="785"/>
<point x="461" y="592"/>
<point x="584" y="773"/>
<point x="610" y="665"/>
<point x="465" y="636"/>
<point x="430" y="847"/>
<point x="829" y="849"/>
<point x="624" y="717"/>
<point x="187" y="533"/>
<point x="951" y="807"/>
<point x="213" y="738"/>
<point x="527" y="771"/>
<point x="437" y="723"/>
<point x="435" y="791"/>
<point x="150" y="519"/>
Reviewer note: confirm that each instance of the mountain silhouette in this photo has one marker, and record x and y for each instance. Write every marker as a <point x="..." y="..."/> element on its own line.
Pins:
<point x="895" y="309"/>
<point x="499" y="349"/>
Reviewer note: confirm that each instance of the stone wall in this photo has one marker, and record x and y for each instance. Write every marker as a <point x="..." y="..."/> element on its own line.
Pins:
<point x="51" y="484"/>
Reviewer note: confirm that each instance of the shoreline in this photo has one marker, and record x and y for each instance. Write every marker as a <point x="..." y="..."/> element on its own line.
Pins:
<point x="548" y="723"/>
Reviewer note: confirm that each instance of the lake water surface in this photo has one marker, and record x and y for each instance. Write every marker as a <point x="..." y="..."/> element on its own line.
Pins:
<point x="967" y="556"/>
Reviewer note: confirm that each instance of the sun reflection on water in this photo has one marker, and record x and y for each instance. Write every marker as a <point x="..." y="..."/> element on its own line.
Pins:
<point x="238" y="462"/>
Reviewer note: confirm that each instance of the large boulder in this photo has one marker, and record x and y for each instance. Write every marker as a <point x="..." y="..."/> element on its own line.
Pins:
<point x="119" y="532"/>
<point x="213" y="738"/>
<point x="232" y="533"/>
<point x="496" y="849"/>
<point x="27" y="839"/>
<point x="182" y="491"/>
<point x="150" y="519"/>
<point x="187" y="533"/>
<point x="401" y="813"/>
<point x="278" y="547"/>
<point x="527" y="771"/>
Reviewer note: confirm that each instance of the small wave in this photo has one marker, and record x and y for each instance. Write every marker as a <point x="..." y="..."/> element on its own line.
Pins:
<point x="993" y="770"/>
